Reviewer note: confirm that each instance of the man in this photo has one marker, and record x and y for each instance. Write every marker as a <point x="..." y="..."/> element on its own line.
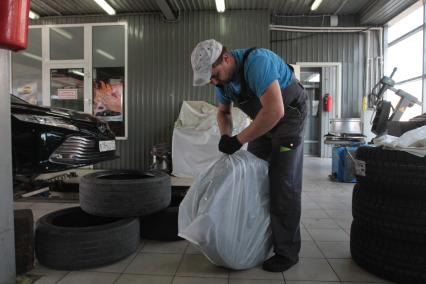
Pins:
<point x="263" y="86"/>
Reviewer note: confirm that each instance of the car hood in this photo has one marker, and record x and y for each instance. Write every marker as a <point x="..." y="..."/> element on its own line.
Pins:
<point x="51" y="111"/>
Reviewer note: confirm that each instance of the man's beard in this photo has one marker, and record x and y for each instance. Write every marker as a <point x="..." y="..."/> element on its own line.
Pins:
<point x="223" y="82"/>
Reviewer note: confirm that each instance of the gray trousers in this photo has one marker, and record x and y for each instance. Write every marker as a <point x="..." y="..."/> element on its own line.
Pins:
<point x="283" y="149"/>
<point x="285" y="178"/>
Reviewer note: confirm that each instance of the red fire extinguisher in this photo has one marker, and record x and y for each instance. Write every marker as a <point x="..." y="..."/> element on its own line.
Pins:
<point x="328" y="103"/>
<point x="14" y="24"/>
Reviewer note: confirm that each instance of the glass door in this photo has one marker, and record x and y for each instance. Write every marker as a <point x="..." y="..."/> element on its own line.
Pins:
<point x="310" y="77"/>
<point x="67" y="75"/>
<point x="67" y="88"/>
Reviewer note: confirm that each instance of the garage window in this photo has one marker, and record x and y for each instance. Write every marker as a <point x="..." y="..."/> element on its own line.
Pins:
<point x="406" y="52"/>
<point x="27" y="70"/>
<point x="77" y="67"/>
<point x="108" y="61"/>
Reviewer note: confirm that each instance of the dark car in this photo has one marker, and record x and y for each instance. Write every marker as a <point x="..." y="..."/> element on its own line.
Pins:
<point x="48" y="139"/>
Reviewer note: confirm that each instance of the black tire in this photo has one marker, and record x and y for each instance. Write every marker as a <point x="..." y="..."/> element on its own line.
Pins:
<point x="380" y="121"/>
<point x="163" y="225"/>
<point x="396" y="189"/>
<point x="124" y="193"/>
<point x="398" y="218"/>
<point x="393" y="171"/>
<point x="24" y="240"/>
<point x="380" y="155"/>
<point x="395" y="251"/>
<point x="71" y="239"/>
<point x="395" y="261"/>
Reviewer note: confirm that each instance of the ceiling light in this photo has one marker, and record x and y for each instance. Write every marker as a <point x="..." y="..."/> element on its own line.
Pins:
<point x="33" y="15"/>
<point x="104" y="5"/>
<point x="79" y="73"/>
<point x="316" y="4"/>
<point x="220" y="6"/>
<point x="106" y="54"/>
<point x="62" y="33"/>
<point x="30" y="55"/>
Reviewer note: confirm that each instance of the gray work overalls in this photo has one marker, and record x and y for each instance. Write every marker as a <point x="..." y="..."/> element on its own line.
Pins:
<point x="282" y="147"/>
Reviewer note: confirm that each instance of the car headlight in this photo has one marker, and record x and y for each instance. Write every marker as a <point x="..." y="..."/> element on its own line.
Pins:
<point x="46" y="120"/>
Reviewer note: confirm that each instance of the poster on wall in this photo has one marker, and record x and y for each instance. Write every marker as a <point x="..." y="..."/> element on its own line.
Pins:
<point x="108" y="93"/>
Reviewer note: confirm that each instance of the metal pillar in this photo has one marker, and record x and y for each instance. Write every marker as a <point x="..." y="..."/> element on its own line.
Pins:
<point x="424" y="58"/>
<point x="7" y="242"/>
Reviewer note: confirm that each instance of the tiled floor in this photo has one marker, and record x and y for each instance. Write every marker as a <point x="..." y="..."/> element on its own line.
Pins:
<point x="324" y="258"/>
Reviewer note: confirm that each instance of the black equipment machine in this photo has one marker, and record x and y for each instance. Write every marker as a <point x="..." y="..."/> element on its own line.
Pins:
<point x="385" y="113"/>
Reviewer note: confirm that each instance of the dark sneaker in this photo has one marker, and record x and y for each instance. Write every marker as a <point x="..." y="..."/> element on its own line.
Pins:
<point x="278" y="263"/>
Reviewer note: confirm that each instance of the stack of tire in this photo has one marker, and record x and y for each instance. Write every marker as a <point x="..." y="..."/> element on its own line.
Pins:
<point x="388" y="233"/>
<point x="106" y="228"/>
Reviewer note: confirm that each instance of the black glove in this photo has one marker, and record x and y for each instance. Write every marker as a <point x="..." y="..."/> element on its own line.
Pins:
<point x="229" y="145"/>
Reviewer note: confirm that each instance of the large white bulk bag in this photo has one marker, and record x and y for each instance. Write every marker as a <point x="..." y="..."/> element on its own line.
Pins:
<point x="226" y="212"/>
<point x="196" y="137"/>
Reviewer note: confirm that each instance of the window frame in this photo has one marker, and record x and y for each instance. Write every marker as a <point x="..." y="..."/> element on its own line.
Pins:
<point x="405" y="36"/>
<point x="86" y="63"/>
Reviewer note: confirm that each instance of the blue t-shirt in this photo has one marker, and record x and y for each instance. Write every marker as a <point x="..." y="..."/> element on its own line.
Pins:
<point x="261" y="68"/>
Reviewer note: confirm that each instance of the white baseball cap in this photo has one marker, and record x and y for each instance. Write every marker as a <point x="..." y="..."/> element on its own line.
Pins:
<point x="203" y="56"/>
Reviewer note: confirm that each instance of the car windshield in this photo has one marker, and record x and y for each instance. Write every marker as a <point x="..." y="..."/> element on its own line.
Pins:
<point x="15" y="100"/>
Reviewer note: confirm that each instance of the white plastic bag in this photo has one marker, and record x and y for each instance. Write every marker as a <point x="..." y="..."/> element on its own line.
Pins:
<point x="413" y="142"/>
<point x="226" y="212"/>
<point x="413" y="138"/>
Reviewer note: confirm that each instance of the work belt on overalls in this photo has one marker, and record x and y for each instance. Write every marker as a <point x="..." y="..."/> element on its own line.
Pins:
<point x="290" y="128"/>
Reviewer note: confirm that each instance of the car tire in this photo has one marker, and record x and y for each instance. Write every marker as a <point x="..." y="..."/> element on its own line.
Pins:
<point x="380" y="120"/>
<point x="398" y="218"/>
<point x="71" y="239"/>
<point x="124" y="193"/>
<point x="393" y="172"/>
<point x="392" y="260"/>
<point x="24" y="240"/>
<point x="163" y="225"/>
<point x="396" y="189"/>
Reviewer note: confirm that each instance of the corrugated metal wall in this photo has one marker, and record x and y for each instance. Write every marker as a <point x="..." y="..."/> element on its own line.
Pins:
<point x="159" y="70"/>
<point x="347" y="48"/>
